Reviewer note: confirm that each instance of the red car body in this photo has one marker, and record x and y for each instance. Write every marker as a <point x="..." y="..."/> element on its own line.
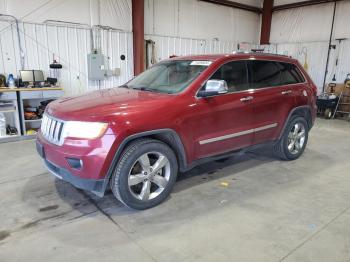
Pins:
<point x="184" y="121"/>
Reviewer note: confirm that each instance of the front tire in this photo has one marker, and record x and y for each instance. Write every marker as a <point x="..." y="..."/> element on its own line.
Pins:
<point x="294" y="139"/>
<point x="145" y="174"/>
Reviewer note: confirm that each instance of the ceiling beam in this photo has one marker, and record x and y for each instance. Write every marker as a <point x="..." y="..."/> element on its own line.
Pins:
<point x="235" y="5"/>
<point x="302" y="4"/>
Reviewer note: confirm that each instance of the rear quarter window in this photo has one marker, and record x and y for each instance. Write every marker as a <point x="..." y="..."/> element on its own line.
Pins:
<point x="272" y="73"/>
<point x="290" y="74"/>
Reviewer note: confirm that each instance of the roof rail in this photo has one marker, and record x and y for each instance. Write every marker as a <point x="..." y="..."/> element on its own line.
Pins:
<point x="258" y="52"/>
<point x="261" y="51"/>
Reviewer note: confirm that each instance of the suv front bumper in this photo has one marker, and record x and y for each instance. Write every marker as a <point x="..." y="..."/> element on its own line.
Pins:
<point x="95" y="163"/>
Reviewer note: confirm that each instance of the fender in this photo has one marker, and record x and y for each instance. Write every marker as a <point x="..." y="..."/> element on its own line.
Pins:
<point x="167" y="135"/>
<point x="303" y="111"/>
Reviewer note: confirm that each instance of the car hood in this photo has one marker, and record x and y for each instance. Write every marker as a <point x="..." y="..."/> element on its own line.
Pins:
<point x="105" y="103"/>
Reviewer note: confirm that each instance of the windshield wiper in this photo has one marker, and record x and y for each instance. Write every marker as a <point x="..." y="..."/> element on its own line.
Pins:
<point x="124" y="86"/>
<point x="144" y="88"/>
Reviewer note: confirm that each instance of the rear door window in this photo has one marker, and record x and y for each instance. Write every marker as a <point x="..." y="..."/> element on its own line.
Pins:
<point x="264" y="74"/>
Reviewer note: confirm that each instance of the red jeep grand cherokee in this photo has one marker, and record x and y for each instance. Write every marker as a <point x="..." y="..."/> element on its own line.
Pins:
<point x="177" y="114"/>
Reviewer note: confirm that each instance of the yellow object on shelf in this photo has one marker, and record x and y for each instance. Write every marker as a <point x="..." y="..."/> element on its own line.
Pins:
<point x="31" y="132"/>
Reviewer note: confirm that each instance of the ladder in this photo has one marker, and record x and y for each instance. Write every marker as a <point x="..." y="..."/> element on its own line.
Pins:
<point x="343" y="106"/>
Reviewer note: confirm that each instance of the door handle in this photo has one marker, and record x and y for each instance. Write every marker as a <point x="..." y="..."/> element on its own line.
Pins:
<point x="245" y="99"/>
<point x="286" y="92"/>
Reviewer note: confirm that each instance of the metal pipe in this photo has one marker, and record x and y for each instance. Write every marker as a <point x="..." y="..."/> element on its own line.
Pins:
<point x="329" y="46"/>
<point x="105" y="27"/>
<point x="55" y="22"/>
<point x="74" y="24"/>
<point x="172" y="36"/>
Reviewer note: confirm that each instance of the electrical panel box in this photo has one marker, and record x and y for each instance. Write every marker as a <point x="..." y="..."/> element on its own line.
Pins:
<point x="96" y="67"/>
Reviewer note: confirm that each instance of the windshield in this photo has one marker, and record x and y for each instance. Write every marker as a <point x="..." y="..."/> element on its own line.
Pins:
<point x="169" y="77"/>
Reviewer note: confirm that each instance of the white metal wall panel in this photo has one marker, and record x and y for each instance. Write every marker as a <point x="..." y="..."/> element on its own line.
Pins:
<point x="315" y="54"/>
<point x="221" y="47"/>
<point x="310" y="24"/>
<point x="166" y="46"/>
<point x="114" y="13"/>
<point x="305" y="24"/>
<point x="70" y="46"/>
<point x="306" y="30"/>
<point x="344" y="61"/>
<point x="200" y="20"/>
<point x="341" y="28"/>
<point x="113" y="45"/>
<point x="10" y="54"/>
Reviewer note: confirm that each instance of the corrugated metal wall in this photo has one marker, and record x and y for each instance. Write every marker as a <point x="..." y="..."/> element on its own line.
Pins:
<point x="70" y="45"/>
<point x="304" y="34"/>
<point x="200" y="20"/>
<point x="314" y="54"/>
<point x="166" y="46"/>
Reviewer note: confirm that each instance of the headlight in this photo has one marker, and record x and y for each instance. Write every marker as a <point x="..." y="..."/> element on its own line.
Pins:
<point x="87" y="130"/>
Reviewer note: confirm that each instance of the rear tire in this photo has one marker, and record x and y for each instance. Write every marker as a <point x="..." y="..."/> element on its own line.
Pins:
<point x="294" y="139"/>
<point x="145" y="174"/>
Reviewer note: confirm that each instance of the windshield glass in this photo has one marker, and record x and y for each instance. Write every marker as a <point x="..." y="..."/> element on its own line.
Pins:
<point x="169" y="77"/>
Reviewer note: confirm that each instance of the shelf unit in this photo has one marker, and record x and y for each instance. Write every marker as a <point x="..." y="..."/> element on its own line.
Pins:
<point x="7" y="110"/>
<point x="33" y="120"/>
<point x="32" y="98"/>
<point x="13" y="103"/>
<point x="9" y="107"/>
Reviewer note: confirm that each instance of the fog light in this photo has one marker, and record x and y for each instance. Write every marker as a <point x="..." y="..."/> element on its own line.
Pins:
<point x="75" y="163"/>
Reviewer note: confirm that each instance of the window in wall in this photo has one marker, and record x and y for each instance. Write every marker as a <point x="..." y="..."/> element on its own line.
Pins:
<point x="235" y="74"/>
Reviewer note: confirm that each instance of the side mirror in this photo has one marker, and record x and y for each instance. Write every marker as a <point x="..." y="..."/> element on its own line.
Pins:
<point x="213" y="88"/>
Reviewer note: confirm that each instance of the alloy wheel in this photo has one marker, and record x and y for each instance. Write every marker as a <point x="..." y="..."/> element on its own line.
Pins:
<point x="149" y="176"/>
<point x="296" y="138"/>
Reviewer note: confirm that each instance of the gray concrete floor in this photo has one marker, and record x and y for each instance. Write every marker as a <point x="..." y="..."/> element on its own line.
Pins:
<point x="247" y="208"/>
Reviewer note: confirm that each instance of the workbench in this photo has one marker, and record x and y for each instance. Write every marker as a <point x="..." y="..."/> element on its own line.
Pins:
<point x="22" y="98"/>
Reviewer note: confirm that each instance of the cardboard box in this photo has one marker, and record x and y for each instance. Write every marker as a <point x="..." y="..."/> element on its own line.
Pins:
<point x="344" y="103"/>
<point x="335" y="88"/>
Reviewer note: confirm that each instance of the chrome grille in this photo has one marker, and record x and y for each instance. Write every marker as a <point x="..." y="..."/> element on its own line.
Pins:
<point x="51" y="128"/>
